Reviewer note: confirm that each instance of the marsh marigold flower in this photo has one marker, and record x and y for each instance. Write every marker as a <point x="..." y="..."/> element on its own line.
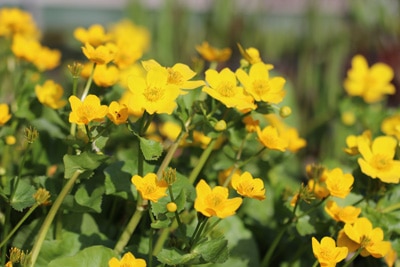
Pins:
<point x="223" y="87"/>
<point x="17" y="21"/>
<point x="47" y="59"/>
<point x="352" y="143"/>
<point x="327" y="253"/>
<point x="391" y="126"/>
<point x="377" y="159"/>
<point x="372" y="84"/>
<point x="338" y="183"/>
<point x="270" y="138"/>
<point x="251" y="54"/>
<point x="210" y="53"/>
<point x="153" y="93"/>
<point x="105" y="76"/>
<point x="247" y="186"/>
<point x="251" y="124"/>
<point x="179" y="75"/>
<point x="50" y="94"/>
<point x="95" y="35"/>
<point x="128" y="260"/>
<point x="101" y="54"/>
<point x="348" y="214"/>
<point x="117" y="113"/>
<point x="5" y="115"/>
<point x="215" y="202"/>
<point x="361" y="234"/>
<point x="88" y="110"/>
<point x="150" y="187"/>
<point x="25" y="48"/>
<point x="259" y="84"/>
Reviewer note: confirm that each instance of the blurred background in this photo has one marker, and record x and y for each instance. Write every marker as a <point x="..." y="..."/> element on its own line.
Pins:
<point x="310" y="42"/>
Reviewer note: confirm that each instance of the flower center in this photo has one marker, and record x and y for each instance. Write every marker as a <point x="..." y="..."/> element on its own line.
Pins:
<point x="149" y="189"/>
<point x="226" y="89"/>
<point x="174" y="77"/>
<point x="261" y="86"/>
<point x="381" y="162"/>
<point x="214" y="200"/>
<point x="153" y="94"/>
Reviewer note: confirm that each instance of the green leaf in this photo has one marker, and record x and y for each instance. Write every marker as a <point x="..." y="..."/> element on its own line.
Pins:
<point x="151" y="149"/>
<point x="89" y="257"/>
<point x="93" y="201"/>
<point x="304" y="227"/>
<point x="174" y="256"/>
<point x="85" y="162"/>
<point x="214" y="250"/>
<point x="67" y="245"/>
<point x="23" y="197"/>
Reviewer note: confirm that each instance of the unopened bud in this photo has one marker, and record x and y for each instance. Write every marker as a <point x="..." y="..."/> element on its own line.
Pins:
<point x="220" y="126"/>
<point x="11" y="140"/>
<point x="172" y="207"/>
<point x="285" y="111"/>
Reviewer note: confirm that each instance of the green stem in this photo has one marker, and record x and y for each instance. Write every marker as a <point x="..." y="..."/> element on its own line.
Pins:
<point x="50" y="216"/>
<point x="88" y="83"/>
<point x="354" y="257"/>
<point x="19" y="224"/>
<point x="202" y="161"/>
<point x="391" y="208"/>
<point x="315" y="263"/>
<point x="199" y="229"/>
<point x="267" y="258"/>
<point x="129" y="229"/>
<point x="151" y="247"/>
<point x="163" y="237"/>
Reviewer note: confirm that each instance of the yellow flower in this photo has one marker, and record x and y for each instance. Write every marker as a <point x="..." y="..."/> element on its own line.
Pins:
<point x="270" y="138"/>
<point x="16" y="21"/>
<point x="251" y="124"/>
<point x="327" y="253"/>
<point x="102" y="54"/>
<point x="86" y="111"/>
<point x="258" y="84"/>
<point x="372" y="84"/>
<point x="132" y="41"/>
<point x="153" y="93"/>
<point x="338" y="183"/>
<point x="247" y="186"/>
<point x="225" y="174"/>
<point x="251" y="55"/>
<point x="128" y="260"/>
<point x="391" y="126"/>
<point x="25" y="48"/>
<point x="150" y="187"/>
<point x="105" y="76"/>
<point x="179" y="75"/>
<point x="5" y="115"/>
<point x="348" y="214"/>
<point x="128" y="100"/>
<point x="47" y="59"/>
<point x="352" y="143"/>
<point x="318" y="187"/>
<point x="210" y="53"/>
<point x="391" y="257"/>
<point x="223" y="87"/>
<point x="215" y="202"/>
<point x="95" y="35"/>
<point x="50" y="94"/>
<point x="368" y="238"/>
<point x="377" y="159"/>
<point x="117" y="113"/>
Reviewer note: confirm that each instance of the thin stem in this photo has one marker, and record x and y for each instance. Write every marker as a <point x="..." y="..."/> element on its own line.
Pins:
<point x="202" y="161"/>
<point x="391" y="208"/>
<point x="267" y="258"/>
<point x="198" y="233"/>
<point x="19" y="224"/>
<point x="128" y="231"/>
<point x="151" y="237"/>
<point x="88" y="83"/>
<point x="50" y="216"/>
<point x="355" y="255"/>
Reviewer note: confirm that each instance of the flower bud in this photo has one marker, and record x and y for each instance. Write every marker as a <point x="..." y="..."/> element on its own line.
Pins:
<point x="41" y="196"/>
<point x="285" y="111"/>
<point x="75" y="69"/>
<point x="220" y="126"/>
<point x="31" y="134"/>
<point x="10" y="140"/>
<point x="169" y="176"/>
<point x="172" y="207"/>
